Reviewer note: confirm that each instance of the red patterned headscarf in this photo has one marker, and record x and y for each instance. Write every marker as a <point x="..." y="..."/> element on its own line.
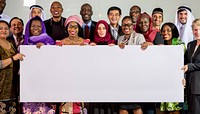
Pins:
<point x="150" y="34"/>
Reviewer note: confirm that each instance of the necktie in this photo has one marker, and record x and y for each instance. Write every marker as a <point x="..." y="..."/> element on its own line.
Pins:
<point x="114" y="34"/>
<point x="87" y="34"/>
<point x="18" y="40"/>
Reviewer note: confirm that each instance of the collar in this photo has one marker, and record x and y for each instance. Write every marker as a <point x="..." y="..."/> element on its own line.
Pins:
<point x="2" y="15"/>
<point x="114" y="28"/>
<point x="89" y="24"/>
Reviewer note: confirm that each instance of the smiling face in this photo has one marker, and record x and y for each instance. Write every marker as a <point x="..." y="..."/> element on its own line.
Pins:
<point x="134" y="13"/>
<point x="56" y="9"/>
<point x="127" y="26"/>
<point x="4" y="30"/>
<point x="101" y="30"/>
<point x="36" y="28"/>
<point x="36" y="12"/>
<point x="157" y="19"/>
<point x="144" y="24"/>
<point x="86" y="12"/>
<point x="182" y="17"/>
<point x="72" y="29"/>
<point x="166" y="32"/>
<point x="16" y="27"/>
<point x="196" y="31"/>
<point x="114" y="17"/>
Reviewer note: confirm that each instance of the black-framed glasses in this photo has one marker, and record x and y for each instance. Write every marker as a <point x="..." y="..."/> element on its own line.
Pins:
<point x="128" y="25"/>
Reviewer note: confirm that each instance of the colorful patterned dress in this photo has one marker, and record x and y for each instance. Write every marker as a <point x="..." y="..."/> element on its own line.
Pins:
<point x="8" y="83"/>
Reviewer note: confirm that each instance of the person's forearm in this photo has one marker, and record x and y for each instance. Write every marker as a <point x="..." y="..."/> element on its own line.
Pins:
<point x="4" y="63"/>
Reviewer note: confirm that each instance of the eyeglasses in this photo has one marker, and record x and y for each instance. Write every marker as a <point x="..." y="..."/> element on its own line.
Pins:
<point x="135" y="11"/>
<point x="128" y="25"/>
<point x="73" y="27"/>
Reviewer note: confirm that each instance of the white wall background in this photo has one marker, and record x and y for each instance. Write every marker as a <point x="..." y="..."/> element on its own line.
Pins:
<point x="16" y="8"/>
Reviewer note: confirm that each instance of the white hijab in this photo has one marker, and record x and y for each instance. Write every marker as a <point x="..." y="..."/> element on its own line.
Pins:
<point x="187" y="35"/>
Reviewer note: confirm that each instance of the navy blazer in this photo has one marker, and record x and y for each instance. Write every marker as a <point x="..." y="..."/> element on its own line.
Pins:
<point x="193" y="73"/>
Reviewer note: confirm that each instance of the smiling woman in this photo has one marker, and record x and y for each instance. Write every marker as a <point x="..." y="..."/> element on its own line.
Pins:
<point x="36" y="33"/>
<point x="73" y="27"/>
<point x="9" y="61"/>
<point x="102" y="35"/>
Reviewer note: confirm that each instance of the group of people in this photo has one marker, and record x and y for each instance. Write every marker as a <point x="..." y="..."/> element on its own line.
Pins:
<point x="137" y="28"/>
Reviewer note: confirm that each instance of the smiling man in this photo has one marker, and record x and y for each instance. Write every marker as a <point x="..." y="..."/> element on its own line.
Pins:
<point x="157" y="18"/>
<point x="134" y="13"/>
<point x="55" y="25"/>
<point x="183" y="22"/>
<point x="89" y="25"/>
<point x="114" y="15"/>
<point x="16" y="29"/>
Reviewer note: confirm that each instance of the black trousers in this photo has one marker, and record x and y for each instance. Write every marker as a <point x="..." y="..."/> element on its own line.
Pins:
<point x="194" y="104"/>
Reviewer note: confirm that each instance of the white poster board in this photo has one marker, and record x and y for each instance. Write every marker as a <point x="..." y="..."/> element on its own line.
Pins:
<point x="101" y="74"/>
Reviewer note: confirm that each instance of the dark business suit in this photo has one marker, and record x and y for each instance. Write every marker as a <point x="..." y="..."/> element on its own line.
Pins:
<point x="12" y="41"/>
<point x="120" y="33"/>
<point x="192" y="59"/>
<point x="92" y="29"/>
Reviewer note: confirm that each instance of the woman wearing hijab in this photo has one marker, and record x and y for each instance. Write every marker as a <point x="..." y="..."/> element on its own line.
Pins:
<point x="144" y="26"/>
<point x="35" y="33"/>
<point x="102" y="35"/>
<point x="153" y="37"/>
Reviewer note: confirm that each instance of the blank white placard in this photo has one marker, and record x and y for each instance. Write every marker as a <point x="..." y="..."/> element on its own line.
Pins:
<point x="101" y="74"/>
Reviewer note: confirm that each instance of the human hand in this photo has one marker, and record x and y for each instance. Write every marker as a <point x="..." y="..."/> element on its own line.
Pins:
<point x="185" y="68"/>
<point x="145" y="45"/>
<point x="38" y="45"/>
<point x="86" y="41"/>
<point x="111" y="44"/>
<point x="122" y="45"/>
<point x="59" y="43"/>
<point x="93" y="44"/>
<point x="184" y="82"/>
<point x="18" y="56"/>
